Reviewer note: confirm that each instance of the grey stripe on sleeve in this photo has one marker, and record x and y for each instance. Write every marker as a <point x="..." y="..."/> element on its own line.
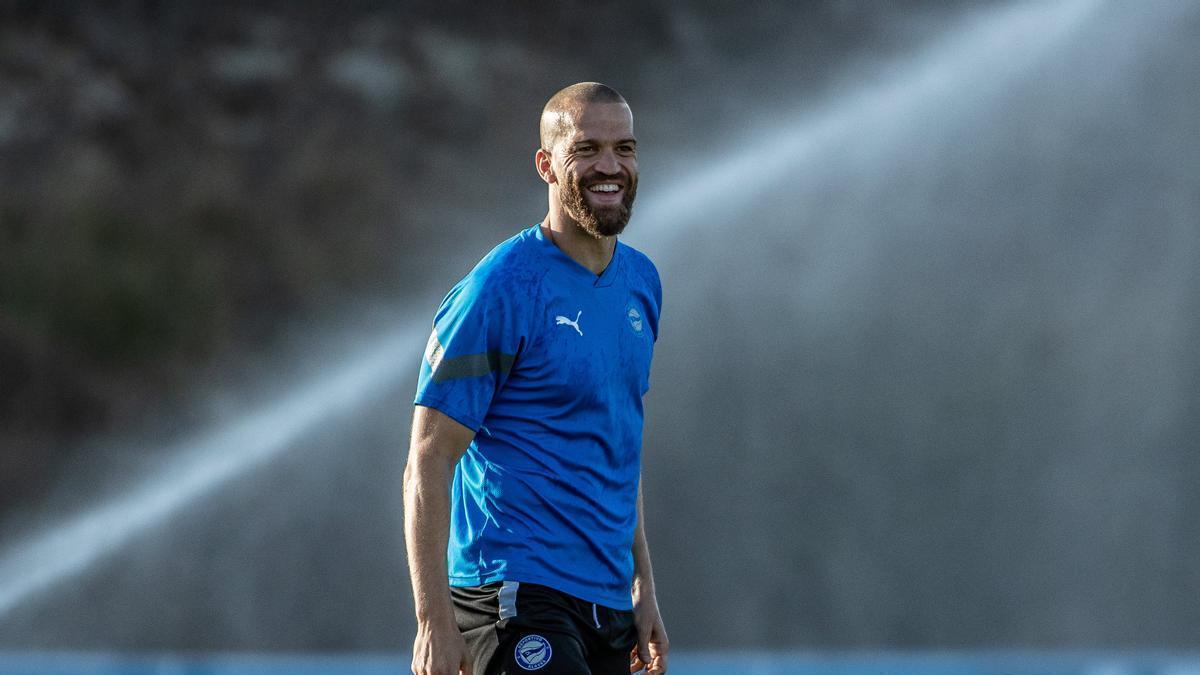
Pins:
<point x="471" y="365"/>
<point x="468" y="365"/>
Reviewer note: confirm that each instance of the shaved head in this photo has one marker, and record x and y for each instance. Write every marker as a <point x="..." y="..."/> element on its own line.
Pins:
<point x="563" y="108"/>
<point x="588" y="157"/>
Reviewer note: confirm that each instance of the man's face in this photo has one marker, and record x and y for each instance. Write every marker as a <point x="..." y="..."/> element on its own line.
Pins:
<point x="596" y="168"/>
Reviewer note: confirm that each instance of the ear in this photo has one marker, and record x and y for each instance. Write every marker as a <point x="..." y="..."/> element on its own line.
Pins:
<point x="542" y="162"/>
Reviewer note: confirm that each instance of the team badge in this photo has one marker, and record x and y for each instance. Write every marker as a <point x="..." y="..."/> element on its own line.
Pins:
<point x="634" y="317"/>
<point x="533" y="652"/>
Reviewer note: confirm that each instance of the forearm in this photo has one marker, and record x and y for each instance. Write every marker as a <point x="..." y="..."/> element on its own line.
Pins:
<point x="652" y="647"/>
<point x="643" y="571"/>
<point x="437" y="444"/>
<point x="426" y="532"/>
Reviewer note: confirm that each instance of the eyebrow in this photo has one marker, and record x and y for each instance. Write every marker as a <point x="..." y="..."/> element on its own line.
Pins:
<point x="623" y="141"/>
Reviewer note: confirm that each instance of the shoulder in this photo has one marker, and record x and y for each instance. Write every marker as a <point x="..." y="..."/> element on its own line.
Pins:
<point x="643" y="270"/>
<point x="506" y="276"/>
<point x="640" y="263"/>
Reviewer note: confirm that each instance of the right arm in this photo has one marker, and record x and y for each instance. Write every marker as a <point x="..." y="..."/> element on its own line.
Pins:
<point x="437" y="444"/>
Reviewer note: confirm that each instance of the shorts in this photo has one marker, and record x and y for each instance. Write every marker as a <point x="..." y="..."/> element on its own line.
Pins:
<point x="516" y="628"/>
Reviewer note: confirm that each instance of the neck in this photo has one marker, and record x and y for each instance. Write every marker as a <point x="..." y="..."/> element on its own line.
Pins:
<point x="594" y="254"/>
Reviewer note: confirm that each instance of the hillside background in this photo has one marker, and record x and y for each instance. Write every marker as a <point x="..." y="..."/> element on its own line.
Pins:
<point x="927" y="375"/>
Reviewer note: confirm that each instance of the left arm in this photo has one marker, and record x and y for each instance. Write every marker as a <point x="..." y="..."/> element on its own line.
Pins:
<point x="651" y="650"/>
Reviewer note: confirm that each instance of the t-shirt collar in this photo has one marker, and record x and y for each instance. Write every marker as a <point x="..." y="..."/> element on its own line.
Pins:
<point x="574" y="268"/>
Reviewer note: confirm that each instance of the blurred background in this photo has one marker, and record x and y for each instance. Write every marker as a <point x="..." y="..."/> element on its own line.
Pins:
<point x="927" y="376"/>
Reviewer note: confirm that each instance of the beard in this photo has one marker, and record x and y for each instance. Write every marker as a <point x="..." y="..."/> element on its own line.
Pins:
<point x="604" y="221"/>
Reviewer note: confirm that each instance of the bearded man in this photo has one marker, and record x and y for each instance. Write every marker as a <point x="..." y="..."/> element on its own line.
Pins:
<point x="522" y="490"/>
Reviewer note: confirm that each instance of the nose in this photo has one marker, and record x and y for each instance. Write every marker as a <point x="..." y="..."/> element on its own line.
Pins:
<point x="607" y="163"/>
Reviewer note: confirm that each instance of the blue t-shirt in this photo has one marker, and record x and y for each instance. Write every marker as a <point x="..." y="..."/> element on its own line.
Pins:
<point x="547" y="363"/>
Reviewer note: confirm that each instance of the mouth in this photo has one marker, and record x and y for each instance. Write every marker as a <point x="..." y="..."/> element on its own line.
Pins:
<point x="608" y="192"/>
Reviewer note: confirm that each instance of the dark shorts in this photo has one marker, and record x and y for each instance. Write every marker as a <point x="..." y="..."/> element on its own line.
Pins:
<point x="517" y="628"/>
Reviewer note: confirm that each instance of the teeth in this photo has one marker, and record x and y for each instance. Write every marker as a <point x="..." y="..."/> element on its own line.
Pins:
<point x="606" y="187"/>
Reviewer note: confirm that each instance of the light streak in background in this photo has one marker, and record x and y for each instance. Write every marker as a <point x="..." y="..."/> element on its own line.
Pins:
<point x="204" y="464"/>
<point x="1012" y="37"/>
<point x="980" y="55"/>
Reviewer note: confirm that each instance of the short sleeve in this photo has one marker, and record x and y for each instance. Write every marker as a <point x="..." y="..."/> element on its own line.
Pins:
<point x="475" y="341"/>
<point x="652" y="284"/>
<point x="656" y="287"/>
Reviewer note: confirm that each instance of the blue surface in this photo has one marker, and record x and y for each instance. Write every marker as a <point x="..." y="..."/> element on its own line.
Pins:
<point x="684" y="663"/>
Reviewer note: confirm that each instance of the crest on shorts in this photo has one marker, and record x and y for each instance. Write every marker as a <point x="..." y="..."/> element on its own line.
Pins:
<point x="533" y="652"/>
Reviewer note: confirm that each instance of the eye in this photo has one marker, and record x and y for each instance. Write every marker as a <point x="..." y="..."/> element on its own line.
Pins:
<point x="626" y="149"/>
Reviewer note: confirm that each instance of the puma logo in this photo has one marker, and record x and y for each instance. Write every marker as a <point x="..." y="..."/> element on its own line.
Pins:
<point x="561" y="320"/>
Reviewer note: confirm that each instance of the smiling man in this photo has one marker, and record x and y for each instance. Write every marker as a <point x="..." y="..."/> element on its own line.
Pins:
<point x="523" y="486"/>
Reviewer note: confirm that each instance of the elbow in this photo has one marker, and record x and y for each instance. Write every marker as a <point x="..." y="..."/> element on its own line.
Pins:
<point x="423" y="469"/>
<point x="416" y="471"/>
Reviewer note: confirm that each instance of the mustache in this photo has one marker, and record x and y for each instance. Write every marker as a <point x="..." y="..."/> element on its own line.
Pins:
<point x="622" y="177"/>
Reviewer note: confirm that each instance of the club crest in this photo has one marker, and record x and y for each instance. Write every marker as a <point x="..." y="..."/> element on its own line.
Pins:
<point x="635" y="318"/>
<point x="533" y="652"/>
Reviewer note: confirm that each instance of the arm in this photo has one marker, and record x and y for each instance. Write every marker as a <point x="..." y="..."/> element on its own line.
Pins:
<point x="651" y="650"/>
<point x="437" y="444"/>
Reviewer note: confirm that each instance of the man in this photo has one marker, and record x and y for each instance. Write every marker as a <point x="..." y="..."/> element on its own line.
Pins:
<point x="529" y="407"/>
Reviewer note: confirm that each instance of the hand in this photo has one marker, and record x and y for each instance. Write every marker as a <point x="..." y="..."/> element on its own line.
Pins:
<point x="440" y="650"/>
<point x="650" y="654"/>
